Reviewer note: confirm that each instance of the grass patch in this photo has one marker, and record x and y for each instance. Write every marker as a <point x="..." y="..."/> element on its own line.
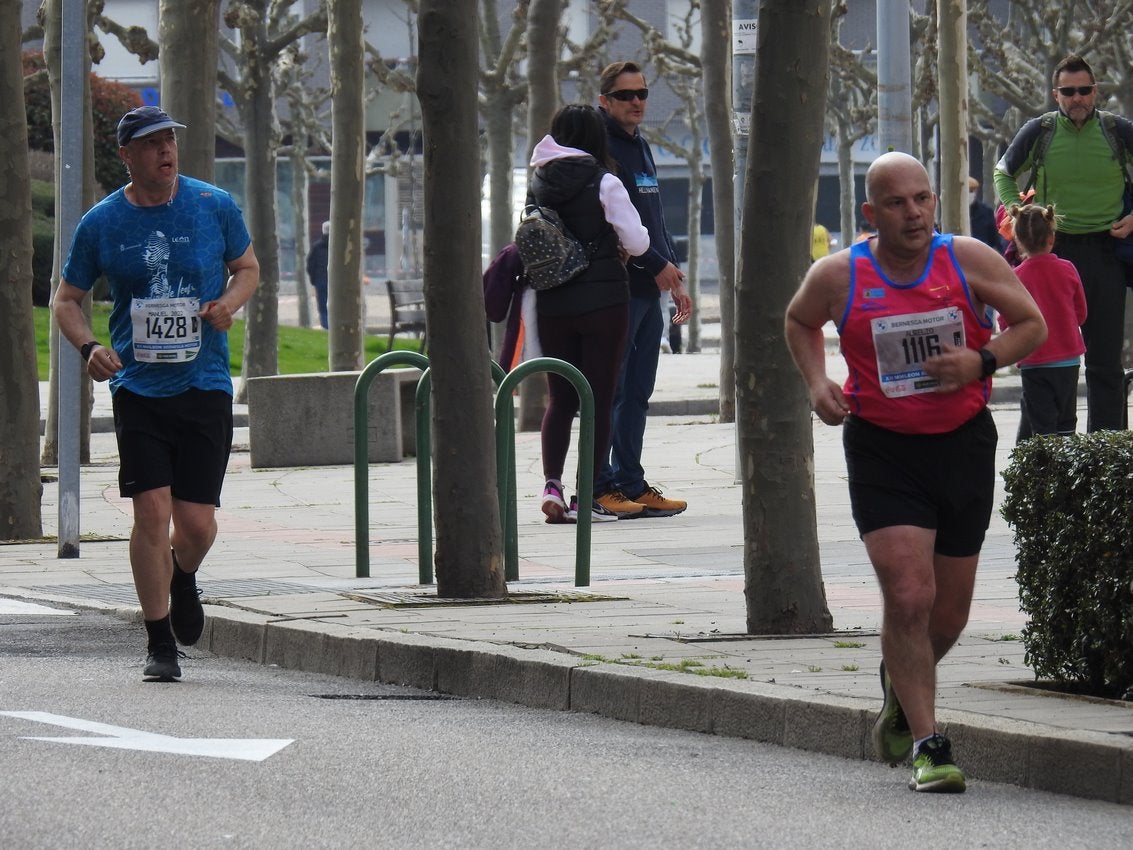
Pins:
<point x="687" y="665"/>
<point x="848" y="644"/>
<point x="301" y="350"/>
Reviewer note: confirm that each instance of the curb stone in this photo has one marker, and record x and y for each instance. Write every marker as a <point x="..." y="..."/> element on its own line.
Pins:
<point x="1029" y="755"/>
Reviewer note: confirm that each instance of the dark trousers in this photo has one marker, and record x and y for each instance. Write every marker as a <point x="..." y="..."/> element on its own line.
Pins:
<point x="593" y="343"/>
<point x="638" y="375"/>
<point x="1103" y="280"/>
<point x="1050" y="401"/>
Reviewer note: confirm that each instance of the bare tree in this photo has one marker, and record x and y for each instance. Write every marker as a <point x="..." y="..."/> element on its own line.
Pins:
<point x="543" y="39"/>
<point x="20" y="486"/>
<point x="783" y="579"/>
<point x="716" y="30"/>
<point x="681" y="69"/>
<point x="306" y="124"/>
<point x="266" y="28"/>
<point x="851" y="110"/>
<point x="347" y="184"/>
<point x="187" y="33"/>
<point x="952" y="74"/>
<point x="501" y="92"/>
<point x="469" y="557"/>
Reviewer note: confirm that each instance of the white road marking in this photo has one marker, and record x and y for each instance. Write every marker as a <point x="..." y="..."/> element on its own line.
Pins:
<point x="15" y="606"/>
<point x="122" y="738"/>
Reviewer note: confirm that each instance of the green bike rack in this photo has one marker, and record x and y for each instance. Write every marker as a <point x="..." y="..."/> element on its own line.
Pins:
<point x="424" y="461"/>
<point x="361" y="457"/>
<point x="505" y="463"/>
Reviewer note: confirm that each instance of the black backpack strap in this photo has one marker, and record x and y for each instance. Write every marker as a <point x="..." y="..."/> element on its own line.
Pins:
<point x="1118" y="132"/>
<point x="1047" y="123"/>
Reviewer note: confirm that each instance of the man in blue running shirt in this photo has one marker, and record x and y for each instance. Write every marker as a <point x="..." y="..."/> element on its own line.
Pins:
<point x="180" y="263"/>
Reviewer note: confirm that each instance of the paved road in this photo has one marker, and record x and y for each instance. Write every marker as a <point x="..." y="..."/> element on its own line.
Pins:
<point x="380" y="766"/>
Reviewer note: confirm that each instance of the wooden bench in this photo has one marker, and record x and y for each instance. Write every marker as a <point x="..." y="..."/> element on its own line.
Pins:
<point x="406" y="309"/>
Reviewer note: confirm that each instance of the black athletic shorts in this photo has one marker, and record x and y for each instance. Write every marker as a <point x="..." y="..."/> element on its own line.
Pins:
<point x="940" y="481"/>
<point x="181" y="442"/>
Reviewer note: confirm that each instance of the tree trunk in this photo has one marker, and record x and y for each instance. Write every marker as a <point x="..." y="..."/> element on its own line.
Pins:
<point x="783" y="585"/>
<point x="347" y="184"/>
<point x="716" y="64"/>
<point x="300" y="184"/>
<point x="20" y="487"/>
<point x="543" y="18"/>
<point x="847" y="212"/>
<point x="952" y="76"/>
<point x="469" y="555"/>
<point x="695" y="209"/>
<point x="188" y="38"/>
<point x="257" y="110"/>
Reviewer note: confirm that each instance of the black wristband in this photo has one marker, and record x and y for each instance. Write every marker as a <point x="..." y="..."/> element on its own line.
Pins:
<point x="990" y="364"/>
<point x="87" y="348"/>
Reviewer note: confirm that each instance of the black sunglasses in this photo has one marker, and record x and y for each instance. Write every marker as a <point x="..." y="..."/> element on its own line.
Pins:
<point x="1070" y="91"/>
<point x="626" y="95"/>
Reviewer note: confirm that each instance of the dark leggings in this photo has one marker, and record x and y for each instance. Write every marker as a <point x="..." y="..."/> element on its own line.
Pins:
<point x="594" y="343"/>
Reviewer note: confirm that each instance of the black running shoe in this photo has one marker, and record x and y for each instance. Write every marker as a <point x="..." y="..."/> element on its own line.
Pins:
<point x="161" y="663"/>
<point x="186" y="616"/>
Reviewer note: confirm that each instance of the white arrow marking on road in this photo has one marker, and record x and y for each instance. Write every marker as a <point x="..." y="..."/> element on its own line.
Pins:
<point x="15" y="606"/>
<point x="121" y="738"/>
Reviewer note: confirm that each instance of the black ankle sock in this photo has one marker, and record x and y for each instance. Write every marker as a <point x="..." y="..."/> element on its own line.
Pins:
<point x="159" y="631"/>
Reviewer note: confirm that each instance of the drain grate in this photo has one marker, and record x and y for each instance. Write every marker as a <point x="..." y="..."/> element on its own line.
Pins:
<point x="226" y="588"/>
<point x="403" y="697"/>
<point x="408" y="599"/>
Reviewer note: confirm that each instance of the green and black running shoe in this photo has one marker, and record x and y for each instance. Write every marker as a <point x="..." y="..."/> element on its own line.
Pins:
<point x="934" y="770"/>
<point x="892" y="738"/>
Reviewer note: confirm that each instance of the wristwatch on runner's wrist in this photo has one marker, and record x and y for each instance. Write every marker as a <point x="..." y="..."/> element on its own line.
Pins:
<point x="989" y="363"/>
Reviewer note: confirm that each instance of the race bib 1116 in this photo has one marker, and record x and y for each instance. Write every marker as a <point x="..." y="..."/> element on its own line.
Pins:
<point x="904" y="343"/>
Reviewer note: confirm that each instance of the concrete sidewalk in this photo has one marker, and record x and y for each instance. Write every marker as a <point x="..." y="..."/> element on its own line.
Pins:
<point x="666" y="601"/>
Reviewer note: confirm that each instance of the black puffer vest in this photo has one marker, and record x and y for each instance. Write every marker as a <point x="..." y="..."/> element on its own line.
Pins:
<point x="570" y="187"/>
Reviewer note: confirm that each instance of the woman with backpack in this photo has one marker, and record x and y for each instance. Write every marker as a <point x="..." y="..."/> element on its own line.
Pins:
<point x="583" y="321"/>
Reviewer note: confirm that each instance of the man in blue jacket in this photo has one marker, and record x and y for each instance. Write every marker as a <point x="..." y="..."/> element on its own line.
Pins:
<point x="622" y="487"/>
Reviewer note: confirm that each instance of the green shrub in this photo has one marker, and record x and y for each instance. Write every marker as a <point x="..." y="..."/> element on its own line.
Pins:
<point x="1069" y="503"/>
<point x="42" y="240"/>
<point x="109" y="100"/>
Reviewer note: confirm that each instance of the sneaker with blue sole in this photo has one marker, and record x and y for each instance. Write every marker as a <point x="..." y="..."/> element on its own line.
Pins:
<point x="597" y="512"/>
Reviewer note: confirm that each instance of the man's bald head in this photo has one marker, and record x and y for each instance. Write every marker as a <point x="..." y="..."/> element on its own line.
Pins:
<point x="890" y="166"/>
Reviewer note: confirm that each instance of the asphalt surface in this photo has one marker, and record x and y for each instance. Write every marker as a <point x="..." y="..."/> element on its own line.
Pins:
<point x="665" y="601"/>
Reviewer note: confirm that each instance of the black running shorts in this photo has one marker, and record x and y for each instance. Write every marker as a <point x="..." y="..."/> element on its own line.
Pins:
<point x="181" y="442"/>
<point x="940" y="481"/>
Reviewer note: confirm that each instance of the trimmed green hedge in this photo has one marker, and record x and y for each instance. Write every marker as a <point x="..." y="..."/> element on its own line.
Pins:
<point x="1070" y="503"/>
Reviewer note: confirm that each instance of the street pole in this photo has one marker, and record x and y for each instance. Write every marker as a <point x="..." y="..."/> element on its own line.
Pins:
<point x="894" y="77"/>
<point x="72" y="70"/>
<point x="745" y="20"/>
